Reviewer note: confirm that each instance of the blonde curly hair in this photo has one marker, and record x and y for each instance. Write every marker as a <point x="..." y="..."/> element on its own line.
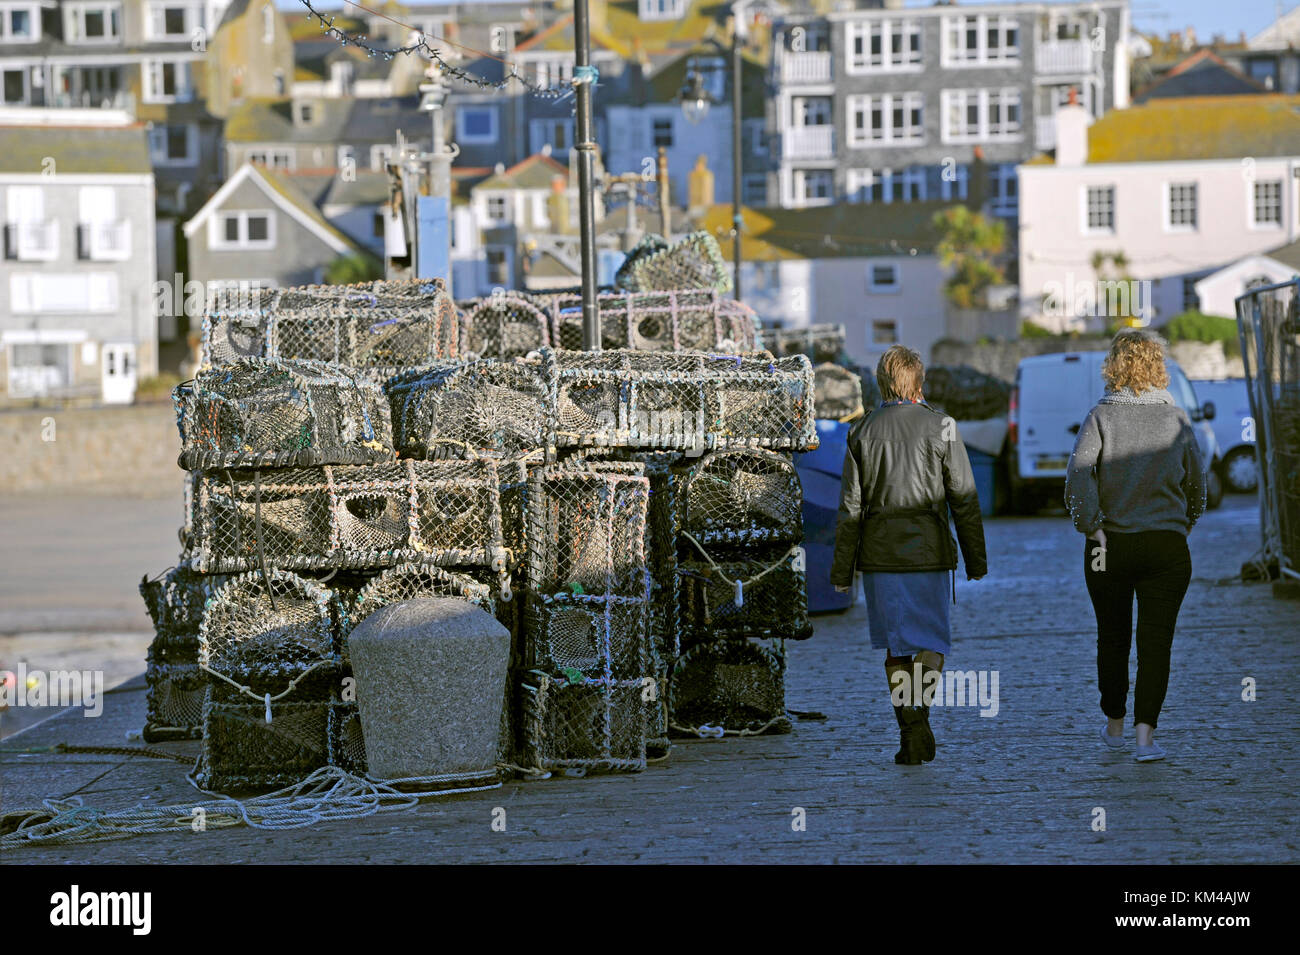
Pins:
<point x="1136" y="360"/>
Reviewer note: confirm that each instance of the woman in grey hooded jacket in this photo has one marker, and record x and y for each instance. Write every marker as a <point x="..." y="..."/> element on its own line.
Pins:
<point x="1134" y="488"/>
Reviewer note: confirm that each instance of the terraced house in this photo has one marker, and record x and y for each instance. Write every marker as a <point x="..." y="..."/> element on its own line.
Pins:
<point x="885" y="103"/>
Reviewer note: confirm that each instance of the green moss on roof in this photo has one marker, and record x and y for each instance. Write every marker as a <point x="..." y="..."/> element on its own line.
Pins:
<point x="845" y="230"/>
<point x="535" y="172"/>
<point x="1195" y="127"/>
<point x="702" y="18"/>
<point x="285" y="186"/>
<point x="76" y="149"/>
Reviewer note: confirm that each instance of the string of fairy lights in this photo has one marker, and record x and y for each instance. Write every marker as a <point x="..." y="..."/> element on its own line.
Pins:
<point x="432" y="46"/>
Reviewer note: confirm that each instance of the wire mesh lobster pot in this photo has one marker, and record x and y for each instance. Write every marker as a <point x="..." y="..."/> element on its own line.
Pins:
<point x="588" y="582"/>
<point x="583" y="725"/>
<point x="174" y="682"/>
<point x="671" y="401"/>
<point x="272" y="413"/>
<point x="377" y="327"/>
<point x="503" y="326"/>
<point x="674" y="320"/>
<point x="489" y="407"/>
<point x="741" y="497"/>
<point x="737" y="685"/>
<point x="772" y="605"/>
<point x="838" y="392"/>
<point x="821" y="343"/>
<point x="435" y="512"/>
<point x="692" y="262"/>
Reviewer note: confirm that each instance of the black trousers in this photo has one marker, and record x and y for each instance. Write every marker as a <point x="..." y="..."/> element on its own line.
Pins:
<point x="1156" y="567"/>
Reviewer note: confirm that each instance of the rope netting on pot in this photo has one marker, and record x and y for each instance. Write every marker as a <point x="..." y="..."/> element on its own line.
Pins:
<point x="692" y="262"/>
<point x="582" y="724"/>
<point x="731" y="686"/>
<point x="175" y="684"/>
<point x="821" y="343"/>
<point x="273" y="413"/>
<point x="838" y="392"/>
<point x="376" y="327"/>
<point x="683" y="400"/>
<point x="435" y="512"/>
<point x="761" y="591"/>
<point x="506" y="325"/>
<point x="485" y="407"/>
<point x="587" y="577"/>
<point x="740" y="497"/>
<point x="672" y="320"/>
<point x="268" y="645"/>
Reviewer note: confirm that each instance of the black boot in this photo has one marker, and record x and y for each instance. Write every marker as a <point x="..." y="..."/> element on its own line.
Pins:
<point x="928" y="662"/>
<point x="912" y="728"/>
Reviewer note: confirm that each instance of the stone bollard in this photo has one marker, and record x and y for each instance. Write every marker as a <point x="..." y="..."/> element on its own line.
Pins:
<point x="431" y="678"/>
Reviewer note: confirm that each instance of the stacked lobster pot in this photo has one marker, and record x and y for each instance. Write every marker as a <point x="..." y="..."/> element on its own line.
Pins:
<point x="742" y="590"/>
<point x="299" y="522"/>
<point x="587" y="691"/>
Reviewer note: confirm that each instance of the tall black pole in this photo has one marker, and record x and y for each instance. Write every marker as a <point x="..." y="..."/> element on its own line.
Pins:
<point x="586" y="174"/>
<point x="736" y="173"/>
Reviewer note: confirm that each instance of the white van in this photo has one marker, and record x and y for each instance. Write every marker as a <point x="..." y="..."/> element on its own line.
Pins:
<point x="1052" y="395"/>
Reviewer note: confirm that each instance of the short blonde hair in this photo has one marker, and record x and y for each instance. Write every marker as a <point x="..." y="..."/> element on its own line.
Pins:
<point x="1136" y="360"/>
<point x="900" y="374"/>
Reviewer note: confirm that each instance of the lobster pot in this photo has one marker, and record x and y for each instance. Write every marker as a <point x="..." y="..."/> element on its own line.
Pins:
<point x="741" y="497"/>
<point x="776" y="605"/>
<point x="264" y="631"/>
<point x="500" y="408"/>
<point x="174" y="683"/>
<point x="595" y="636"/>
<point x="347" y="747"/>
<point x="681" y="400"/>
<point x="502" y="326"/>
<point x="242" y="751"/>
<point x="273" y="413"/>
<point x="436" y="512"/>
<point x="821" y="343"/>
<point x="838" y="392"/>
<point x="374" y="327"/>
<point x="675" y="320"/>
<point x="693" y="262"/>
<point x="583" y="725"/>
<point x="586" y="529"/>
<point x="735" y="684"/>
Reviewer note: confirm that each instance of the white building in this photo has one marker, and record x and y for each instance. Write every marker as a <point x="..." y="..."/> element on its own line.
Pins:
<point x="1162" y="194"/>
<point x="76" y="280"/>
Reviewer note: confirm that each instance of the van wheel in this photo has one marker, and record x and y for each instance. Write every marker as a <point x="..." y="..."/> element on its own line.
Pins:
<point x="1213" y="490"/>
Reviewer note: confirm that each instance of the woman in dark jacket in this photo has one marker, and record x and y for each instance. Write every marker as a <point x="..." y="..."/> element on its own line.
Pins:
<point x="904" y="471"/>
<point x="1135" y="487"/>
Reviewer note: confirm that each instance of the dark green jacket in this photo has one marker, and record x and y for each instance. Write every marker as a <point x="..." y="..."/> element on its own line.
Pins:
<point x="905" y="469"/>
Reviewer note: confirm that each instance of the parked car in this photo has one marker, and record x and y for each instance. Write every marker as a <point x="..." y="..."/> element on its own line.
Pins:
<point x="1234" y="428"/>
<point x="1052" y="395"/>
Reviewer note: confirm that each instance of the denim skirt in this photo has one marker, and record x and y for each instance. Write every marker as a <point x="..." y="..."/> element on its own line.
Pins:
<point x="908" y="612"/>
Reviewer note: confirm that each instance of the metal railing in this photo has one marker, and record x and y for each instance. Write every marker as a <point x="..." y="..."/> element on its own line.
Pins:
<point x="1063" y="56"/>
<point x="1268" y="321"/>
<point x="812" y="67"/>
<point x="808" y="142"/>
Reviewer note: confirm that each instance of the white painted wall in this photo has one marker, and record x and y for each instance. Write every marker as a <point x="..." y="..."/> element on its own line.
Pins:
<point x="1056" y="248"/>
<point x="1218" y="291"/>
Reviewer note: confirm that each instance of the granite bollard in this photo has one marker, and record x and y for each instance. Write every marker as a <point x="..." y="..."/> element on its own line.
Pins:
<point x="431" y="676"/>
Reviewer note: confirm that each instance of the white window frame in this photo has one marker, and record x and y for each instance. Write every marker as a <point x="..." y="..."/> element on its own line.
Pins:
<point x="151" y="81"/>
<point x="660" y="9"/>
<point x="910" y="61"/>
<point x="1169" y="206"/>
<point x="1252" y="198"/>
<point x="799" y="186"/>
<point x="872" y="344"/>
<point x="271" y="157"/>
<point x="74" y="21"/>
<point x="23" y="70"/>
<point x="158" y="145"/>
<point x="488" y="217"/>
<point x="912" y="134"/>
<point x="155" y="19"/>
<point x="218" y="242"/>
<point x="1086" y="204"/>
<point x="33" y="12"/>
<point x="894" y="287"/>
<point x="948" y="57"/>
<point x="984" y="131"/>
<point x="484" y="139"/>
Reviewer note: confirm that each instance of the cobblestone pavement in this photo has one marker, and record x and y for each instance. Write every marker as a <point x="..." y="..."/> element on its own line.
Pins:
<point x="1022" y="786"/>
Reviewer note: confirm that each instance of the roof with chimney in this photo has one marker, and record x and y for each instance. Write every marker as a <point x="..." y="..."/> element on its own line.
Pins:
<point x="1195" y="128"/>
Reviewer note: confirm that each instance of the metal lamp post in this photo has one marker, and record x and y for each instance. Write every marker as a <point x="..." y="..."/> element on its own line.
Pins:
<point x="584" y="76"/>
